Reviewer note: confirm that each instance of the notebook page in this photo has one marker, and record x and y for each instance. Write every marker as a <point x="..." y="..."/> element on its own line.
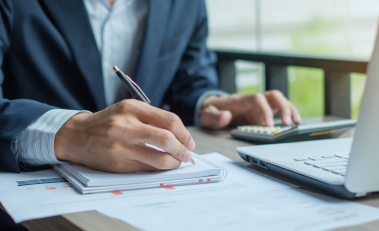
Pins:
<point x="91" y="177"/>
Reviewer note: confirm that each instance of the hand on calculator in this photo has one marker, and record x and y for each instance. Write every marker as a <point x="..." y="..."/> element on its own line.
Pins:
<point x="258" y="109"/>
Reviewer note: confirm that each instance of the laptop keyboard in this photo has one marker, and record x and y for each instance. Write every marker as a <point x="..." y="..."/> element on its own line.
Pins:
<point x="335" y="164"/>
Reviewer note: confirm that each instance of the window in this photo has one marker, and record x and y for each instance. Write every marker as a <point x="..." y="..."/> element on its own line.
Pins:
<point x="342" y="28"/>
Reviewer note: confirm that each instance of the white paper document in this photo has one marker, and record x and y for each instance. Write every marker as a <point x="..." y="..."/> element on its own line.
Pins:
<point x="286" y="209"/>
<point x="32" y="195"/>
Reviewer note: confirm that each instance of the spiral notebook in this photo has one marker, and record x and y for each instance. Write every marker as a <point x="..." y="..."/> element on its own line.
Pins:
<point x="88" y="180"/>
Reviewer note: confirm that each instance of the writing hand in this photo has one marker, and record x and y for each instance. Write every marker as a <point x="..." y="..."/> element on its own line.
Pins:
<point x="113" y="139"/>
<point x="219" y="112"/>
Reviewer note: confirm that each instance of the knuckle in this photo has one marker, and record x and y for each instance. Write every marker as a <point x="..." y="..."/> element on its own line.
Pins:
<point x="234" y="97"/>
<point x="257" y="98"/>
<point x="115" y="127"/>
<point x="178" y="152"/>
<point x="277" y="93"/>
<point x="187" y="137"/>
<point x="124" y="104"/>
<point x="164" y="162"/>
<point x="121" y="106"/>
<point x="127" y="105"/>
<point x="166" y="138"/>
<point x="172" y="121"/>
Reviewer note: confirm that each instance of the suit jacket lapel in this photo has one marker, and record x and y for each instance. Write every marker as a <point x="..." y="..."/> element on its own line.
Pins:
<point x="154" y="32"/>
<point x="71" y="19"/>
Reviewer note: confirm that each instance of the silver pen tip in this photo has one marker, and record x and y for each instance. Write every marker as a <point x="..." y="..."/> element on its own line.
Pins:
<point x="115" y="68"/>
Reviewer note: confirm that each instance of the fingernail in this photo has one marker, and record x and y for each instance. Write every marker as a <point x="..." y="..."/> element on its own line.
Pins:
<point x="191" y="145"/>
<point x="287" y="120"/>
<point x="297" y="118"/>
<point x="270" y="122"/>
<point x="187" y="157"/>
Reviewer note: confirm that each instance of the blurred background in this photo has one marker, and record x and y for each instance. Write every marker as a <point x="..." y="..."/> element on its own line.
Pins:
<point x="337" y="28"/>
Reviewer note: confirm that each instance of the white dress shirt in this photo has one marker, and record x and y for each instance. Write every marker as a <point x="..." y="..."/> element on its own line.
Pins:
<point x="118" y="32"/>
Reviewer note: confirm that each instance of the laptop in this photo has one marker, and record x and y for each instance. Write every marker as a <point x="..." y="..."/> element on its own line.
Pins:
<point x="349" y="167"/>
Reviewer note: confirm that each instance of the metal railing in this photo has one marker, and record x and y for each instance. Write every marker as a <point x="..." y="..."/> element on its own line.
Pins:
<point x="336" y="72"/>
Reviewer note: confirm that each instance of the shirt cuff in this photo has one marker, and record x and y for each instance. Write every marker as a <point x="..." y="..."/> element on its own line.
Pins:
<point x="206" y="94"/>
<point x="35" y="145"/>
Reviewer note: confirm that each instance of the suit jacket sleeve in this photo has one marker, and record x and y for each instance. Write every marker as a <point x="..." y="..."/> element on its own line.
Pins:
<point x="196" y="74"/>
<point x="15" y="115"/>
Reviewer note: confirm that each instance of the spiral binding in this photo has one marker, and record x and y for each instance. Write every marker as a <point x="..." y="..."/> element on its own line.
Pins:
<point x="224" y="172"/>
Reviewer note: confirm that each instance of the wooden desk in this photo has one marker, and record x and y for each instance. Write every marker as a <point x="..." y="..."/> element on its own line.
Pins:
<point x="206" y="141"/>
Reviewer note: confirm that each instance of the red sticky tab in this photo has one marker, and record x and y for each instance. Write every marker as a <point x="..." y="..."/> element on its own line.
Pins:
<point x="200" y="180"/>
<point x="117" y="193"/>
<point x="208" y="179"/>
<point x="160" y="184"/>
<point x="169" y="188"/>
<point x="50" y="188"/>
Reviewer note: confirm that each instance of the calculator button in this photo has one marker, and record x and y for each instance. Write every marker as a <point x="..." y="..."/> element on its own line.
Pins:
<point x="300" y="159"/>
<point x="328" y="156"/>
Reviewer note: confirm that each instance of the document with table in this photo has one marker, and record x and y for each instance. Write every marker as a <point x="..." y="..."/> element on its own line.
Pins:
<point x="287" y="209"/>
<point x="246" y="198"/>
<point x="49" y="199"/>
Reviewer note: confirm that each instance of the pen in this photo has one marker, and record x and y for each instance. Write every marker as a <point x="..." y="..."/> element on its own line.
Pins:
<point x="134" y="89"/>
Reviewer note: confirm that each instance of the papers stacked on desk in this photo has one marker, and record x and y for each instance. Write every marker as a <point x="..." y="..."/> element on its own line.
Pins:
<point x="245" y="198"/>
<point x="88" y="180"/>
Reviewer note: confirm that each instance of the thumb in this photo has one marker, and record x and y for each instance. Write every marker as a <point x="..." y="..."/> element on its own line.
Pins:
<point x="212" y="117"/>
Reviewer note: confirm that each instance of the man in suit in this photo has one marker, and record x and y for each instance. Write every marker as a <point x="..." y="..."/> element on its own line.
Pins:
<point x="56" y="59"/>
<point x="61" y="100"/>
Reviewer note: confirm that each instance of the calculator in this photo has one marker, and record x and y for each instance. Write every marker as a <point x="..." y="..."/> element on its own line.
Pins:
<point x="281" y="133"/>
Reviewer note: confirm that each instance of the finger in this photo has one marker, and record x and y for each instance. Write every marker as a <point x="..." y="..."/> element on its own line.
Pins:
<point x="165" y="140"/>
<point x="262" y="106"/>
<point x="277" y="100"/>
<point x="212" y="117"/>
<point x="295" y="114"/>
<point x="154" y="158"/>
<point x="164" y="119"/>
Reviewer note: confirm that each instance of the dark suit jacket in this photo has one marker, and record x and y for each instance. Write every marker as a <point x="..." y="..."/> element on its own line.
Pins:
<point x="49" y="59"/>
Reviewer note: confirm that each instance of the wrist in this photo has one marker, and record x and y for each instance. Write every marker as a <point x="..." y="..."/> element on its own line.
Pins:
<point x="68" y="136"/>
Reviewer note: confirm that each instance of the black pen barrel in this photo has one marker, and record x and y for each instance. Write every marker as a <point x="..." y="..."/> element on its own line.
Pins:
<point x="131" y="88"/>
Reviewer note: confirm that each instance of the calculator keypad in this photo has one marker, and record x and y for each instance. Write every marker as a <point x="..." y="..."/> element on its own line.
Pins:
<point x="264" y="129"/>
